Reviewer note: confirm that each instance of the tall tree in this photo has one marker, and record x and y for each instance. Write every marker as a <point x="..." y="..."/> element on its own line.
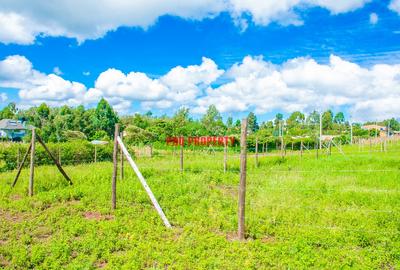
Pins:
<point x="105" y="118"/>
<point x="9" y="112"/>
<point x="295" y="119"/>
<point x="252" y="122"/>
<point x="212" y="121"/>
<point x="339" y="118"/>
<point x="327" y="120"/>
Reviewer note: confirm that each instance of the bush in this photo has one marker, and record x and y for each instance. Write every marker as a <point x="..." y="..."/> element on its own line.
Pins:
<point x="74" y="152"/>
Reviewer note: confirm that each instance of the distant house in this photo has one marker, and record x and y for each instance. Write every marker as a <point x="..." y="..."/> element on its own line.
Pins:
<point x="382" y="130"/>
<point x="12" y="129"/>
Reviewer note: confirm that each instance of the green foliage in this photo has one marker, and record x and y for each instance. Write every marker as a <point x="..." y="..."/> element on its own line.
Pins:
<point x="327" y="120"/>
<point x="339" y="118"/>
<point x="105" y="118"/>
<point x="74" y="152"/>
<point x="137" y="135"/>
<point x="8" y="112"/>
<point x="212" y="122"/>
<point x="252" y="122"/>
<point x="301" y="213"/>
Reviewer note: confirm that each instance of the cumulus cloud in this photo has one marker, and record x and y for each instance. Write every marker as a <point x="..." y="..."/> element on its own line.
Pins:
<point x="253" y="84"/>
<point x="3" y="97"/>
<point x="373" y="18"/>
<point x="57" y="71"/>
<point x="181" y="85"/>
<point x="303" y="84"/>
<point x="35" y="87"/>
<point x="395" y="6"/>
<point x="22" y="21"/>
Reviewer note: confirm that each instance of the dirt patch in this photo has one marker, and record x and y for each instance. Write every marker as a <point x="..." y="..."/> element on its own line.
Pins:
<point x="4" y="262"/>
<point x="268" y="239"/>
<point x="100" y="264"/>
<point x="233" y="236"/>
<point x="12" y="217"/>
<point x="230" y="191"/>
<point x="43" y="233"/>
<point x="16" y="197"/>
<point x="97" y="216"/>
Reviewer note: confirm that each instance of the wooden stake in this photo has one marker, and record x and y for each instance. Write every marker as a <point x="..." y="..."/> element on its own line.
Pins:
<point x="54" y="159"/>
<point x="151" y="150"/>
<point x="22" y="164"/>
<point x="301" y="149"/>
<point x="18" y="157"/>
<point x="242" y="186"/>
<point x="95" y="154"/>
<point x="181" y="156"/>
<point x="59" y="156"/>
<point x="32" y="168"/>
<point x="225" y="156"/>
<point x="256" y="155"/>
<point x="115" y="169"/>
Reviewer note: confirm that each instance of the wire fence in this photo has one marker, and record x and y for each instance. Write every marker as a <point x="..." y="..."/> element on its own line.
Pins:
<point x="265" y="171"/>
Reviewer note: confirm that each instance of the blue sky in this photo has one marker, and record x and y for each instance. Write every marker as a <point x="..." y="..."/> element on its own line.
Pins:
<point x="366" y="35"/>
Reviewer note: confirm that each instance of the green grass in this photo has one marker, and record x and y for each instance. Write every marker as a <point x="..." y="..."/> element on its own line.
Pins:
<point x="334" y="212"/>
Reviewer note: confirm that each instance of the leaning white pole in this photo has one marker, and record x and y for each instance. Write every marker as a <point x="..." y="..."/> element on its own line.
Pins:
<point x="144" y="183"/>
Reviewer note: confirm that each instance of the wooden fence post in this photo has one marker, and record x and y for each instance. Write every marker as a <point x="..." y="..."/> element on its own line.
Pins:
<point x="225" y="156"/>
<point x="95" y="153"/>
<point x="301" y="149"/>
<point x="59" y="155"/>
<point x="115" y="169"/>
<point x="122" y="161"/>
<point x="256" y="156"/>
<point x="242" y="185"/>
<point x="54" y="159"/>
<point x="18" y="157"/>
<point x="151" y="150"/>
<point x="181" y="155"/>
<point x="22" y="164"/>
<point x="32" y="168"/>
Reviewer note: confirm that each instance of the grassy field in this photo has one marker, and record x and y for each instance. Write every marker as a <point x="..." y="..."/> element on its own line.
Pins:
<point x="334" y="212"/>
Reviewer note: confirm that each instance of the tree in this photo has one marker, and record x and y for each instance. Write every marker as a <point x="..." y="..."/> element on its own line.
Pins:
<point x="278" y="118"/>
<point x="252" y="122"/>
<point x="212" y="121"/>
<point x="105" y="118"/>
<point x="43" y="111"/>
<point x="339" y="118"/>
<point x="313" y="118"/>
<point x="327" y="120"/>
<point x="8" y="112"/>
<point x="295" y="119"/>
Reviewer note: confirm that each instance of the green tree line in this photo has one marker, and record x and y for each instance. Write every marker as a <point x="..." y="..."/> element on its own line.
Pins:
<point x="60" y="124"/>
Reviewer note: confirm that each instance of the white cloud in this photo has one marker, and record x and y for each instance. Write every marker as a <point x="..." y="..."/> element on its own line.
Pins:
<point x="135" y="85"/>
<point x="3" y="97"/>
<point x="35" y="87"/>
<point x="395" y="6"/>
<point x="86" y="73"/>
<point x="21" y="21"/>
<point x="253" y="84"/>
<point x="303" y="84"/>
<point x="373" y="18"/>
<point x="57" y="71"/>
<point x="181" y="85"/>
<point x="16" y="71"/>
